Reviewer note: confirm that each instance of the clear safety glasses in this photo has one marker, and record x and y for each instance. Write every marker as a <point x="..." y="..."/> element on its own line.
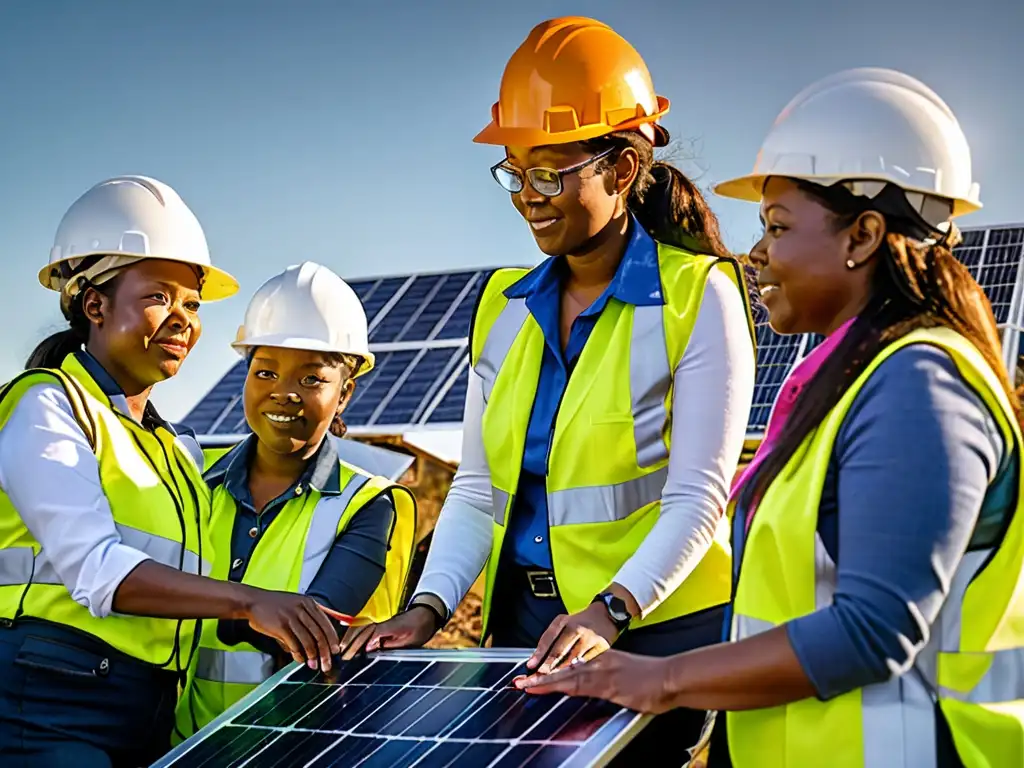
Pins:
<point x="546" y="181"/>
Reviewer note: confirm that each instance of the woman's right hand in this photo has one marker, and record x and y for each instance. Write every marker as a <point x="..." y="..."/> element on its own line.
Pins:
<point x="297" y="624"/>
<point x="409" y="629"/>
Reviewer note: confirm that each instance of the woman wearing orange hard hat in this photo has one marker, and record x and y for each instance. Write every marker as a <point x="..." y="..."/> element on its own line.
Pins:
<point x="610" y="385"/>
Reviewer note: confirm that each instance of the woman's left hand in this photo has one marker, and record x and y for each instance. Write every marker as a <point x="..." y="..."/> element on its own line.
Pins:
<point x="581" y="636"/>
<point x="636" y="682"/>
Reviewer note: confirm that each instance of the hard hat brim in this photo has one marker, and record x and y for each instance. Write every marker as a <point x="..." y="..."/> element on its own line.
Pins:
<point x="749" y="189"/>
<point x="285" y="341"/>
<point x="496" y="135"/>
<point x="217" y="284"/>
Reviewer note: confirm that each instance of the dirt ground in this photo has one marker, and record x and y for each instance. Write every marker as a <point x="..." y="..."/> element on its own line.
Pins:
<point x="463" y="631"/>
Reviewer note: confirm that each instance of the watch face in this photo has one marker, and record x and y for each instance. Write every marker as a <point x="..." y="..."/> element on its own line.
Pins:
<point x="617" y="609"/>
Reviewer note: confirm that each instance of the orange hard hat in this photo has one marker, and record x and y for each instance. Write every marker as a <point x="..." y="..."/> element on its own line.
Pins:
<point x="574" y="79"/>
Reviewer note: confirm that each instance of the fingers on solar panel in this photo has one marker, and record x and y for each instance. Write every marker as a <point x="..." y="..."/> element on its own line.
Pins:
<point x="379" y="712"/>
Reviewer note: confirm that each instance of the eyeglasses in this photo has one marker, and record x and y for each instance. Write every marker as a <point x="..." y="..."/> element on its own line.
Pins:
<point x="546" y="181"/>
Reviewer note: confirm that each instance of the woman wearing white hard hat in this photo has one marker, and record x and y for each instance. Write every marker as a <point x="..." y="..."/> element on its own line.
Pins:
<point x="103" y="509"/>
<point x="288" y="514"/>
<point x="878" y="535"/>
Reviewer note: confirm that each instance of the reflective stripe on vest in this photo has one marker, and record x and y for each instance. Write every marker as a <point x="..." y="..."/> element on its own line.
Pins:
<point x="901" y="705"/>
<point x="608" y="452"/>
<point x="252" y="667"/>
<point x="650" y="376"/>
<point x="19" y="566"/>
<point x="971" y="670"/>
<point x="157" y="500"/>
<point x="244" y="667"/>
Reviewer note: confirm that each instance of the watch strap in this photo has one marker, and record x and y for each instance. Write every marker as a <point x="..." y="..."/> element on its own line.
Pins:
<point x="608" y="598"/>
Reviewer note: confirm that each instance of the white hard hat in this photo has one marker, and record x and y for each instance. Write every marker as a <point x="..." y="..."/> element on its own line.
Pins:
<point x="307" y="307"/>
<point x="133" y="216"/>
<point x="873" y="125"/>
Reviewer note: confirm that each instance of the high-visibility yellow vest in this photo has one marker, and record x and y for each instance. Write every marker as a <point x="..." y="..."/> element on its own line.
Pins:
<point x="608" y="460"/>
<point x="159" y="504"/>
<point x="973" y="665"/>
<point x="286" y="558"/>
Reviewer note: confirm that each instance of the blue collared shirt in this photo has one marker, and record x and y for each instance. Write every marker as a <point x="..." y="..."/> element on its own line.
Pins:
<point x="637" y="281"/>
<point x="322" y="474"/>
<point x="355" y="564"/>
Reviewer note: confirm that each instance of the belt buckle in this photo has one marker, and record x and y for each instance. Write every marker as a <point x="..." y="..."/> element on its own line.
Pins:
<point x="542" y="584"/>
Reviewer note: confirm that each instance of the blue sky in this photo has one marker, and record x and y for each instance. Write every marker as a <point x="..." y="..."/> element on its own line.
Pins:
<point x="328" y="131"/>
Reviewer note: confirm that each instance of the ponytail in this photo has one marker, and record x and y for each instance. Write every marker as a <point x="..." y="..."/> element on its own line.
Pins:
<point x="52" y="350"/>
<point x="664" y="200"/>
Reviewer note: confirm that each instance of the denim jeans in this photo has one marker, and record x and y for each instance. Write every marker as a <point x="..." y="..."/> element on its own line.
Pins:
<point x="68" y="699"/>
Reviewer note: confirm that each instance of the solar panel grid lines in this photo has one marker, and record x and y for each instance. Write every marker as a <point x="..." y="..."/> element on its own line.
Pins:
<point x="395" y="388"/>
<point x="775" y="358"/>
<point x="413" y="297"/>
<point x="410" y="708"/>
<point x="450" y="407"/>
<point x="411" y="395"/>
<point x="440" y="385"/>
<point x="450" y="324"/>
<point x="387" y="293"/>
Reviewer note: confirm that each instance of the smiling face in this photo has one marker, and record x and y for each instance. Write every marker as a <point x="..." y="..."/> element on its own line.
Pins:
<point x="576" y="220"/>
<point x="146" y="324"/>
<point x="291" y="397"/>
<point x="802" y="259"/>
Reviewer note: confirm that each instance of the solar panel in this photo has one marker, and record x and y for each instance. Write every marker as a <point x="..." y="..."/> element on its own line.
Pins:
<point x="419" y="329"/>
<point x="421" y="377"/>
<point x="381" y="294"/>
<point x="775" y="357"/>
<point x="363" y="288"/>
<point x="997" y="266"/>
<point x="390" y="366"/>
<point x="452" y="405"/>
<point x="458" y="323"/>
<point x="424" y="320"/>
<point x="403" y="708"/>
<point x="411" y="302"/>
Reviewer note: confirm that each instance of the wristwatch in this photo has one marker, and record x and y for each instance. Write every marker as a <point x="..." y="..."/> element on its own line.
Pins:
<point x="617" y="610"/>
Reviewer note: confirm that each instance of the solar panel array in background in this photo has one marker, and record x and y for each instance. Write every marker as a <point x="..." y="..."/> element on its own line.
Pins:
<point x="419" y="329"/>
<point x="424" y="381"/>
<point x="424" y="708"/>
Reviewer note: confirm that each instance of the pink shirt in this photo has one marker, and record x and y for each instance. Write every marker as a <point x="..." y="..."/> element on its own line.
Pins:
<point x="802" y="373"/>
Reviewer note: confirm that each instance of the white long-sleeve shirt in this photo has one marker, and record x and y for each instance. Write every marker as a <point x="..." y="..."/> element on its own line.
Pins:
<point x="51" y="475"/>
<point x="712" y="395"/>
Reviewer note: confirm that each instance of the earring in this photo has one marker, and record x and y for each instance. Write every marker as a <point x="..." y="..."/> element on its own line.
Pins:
<point x="850" y="263"/>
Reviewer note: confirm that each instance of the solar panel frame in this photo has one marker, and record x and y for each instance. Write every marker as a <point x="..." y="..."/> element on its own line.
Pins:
<point x="598" y="748"/>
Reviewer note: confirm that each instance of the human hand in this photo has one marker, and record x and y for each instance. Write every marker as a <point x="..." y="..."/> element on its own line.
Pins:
<point x="581" y="636"/>
<point x="636" y="682"/>
<point x="409" y="629"/>
<point x="297" y="623"/>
